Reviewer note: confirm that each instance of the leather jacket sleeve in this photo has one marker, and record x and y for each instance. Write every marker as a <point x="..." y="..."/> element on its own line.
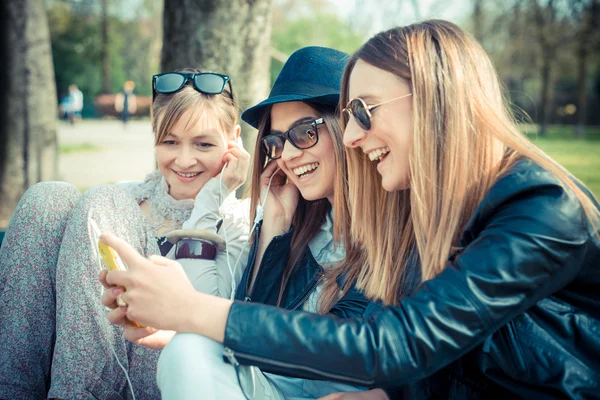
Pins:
<point x="534" y="243"/>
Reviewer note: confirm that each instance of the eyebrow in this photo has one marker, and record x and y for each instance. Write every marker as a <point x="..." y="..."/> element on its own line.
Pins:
<point x="205" y="135"/>
<point x="295" y="123"/>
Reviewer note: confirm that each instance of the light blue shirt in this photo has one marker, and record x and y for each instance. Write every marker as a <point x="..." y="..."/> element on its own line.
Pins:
<point x="326" y="253"/>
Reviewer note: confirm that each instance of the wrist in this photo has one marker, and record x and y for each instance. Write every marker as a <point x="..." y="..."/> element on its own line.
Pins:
<point x="208" y="316"/>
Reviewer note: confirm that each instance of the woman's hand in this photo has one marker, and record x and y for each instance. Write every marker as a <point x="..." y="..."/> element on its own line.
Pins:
<point x="238" y="161"/>
<point x="157" y="289"/>
<point x="374" y="394"/>
<point x="282" y="198"/>
<point x="148" y="337"/>
<point x="158" y="294"/>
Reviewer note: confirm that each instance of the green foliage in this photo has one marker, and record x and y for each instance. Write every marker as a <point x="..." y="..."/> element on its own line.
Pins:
<point x="76" y="38"/>
<point x="312" y="30"/>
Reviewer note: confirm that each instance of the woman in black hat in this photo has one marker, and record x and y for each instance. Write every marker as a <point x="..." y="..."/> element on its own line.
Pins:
<point x="299" y="163"/>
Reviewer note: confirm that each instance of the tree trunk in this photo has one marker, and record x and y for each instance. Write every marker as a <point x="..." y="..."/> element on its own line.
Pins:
<point x="545" y="22"/>
<point x="106" y="82"/>
<point x="545" y="94"/>
<point x="582" y="58"/>
<point x="586" y="37"/>
<point x="28" y="139"/>
<point x="478" y="22"/>
<point x="229" y="36"/>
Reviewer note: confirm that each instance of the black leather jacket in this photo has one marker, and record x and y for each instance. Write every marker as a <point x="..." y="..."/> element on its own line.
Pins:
<point x="516" y="313"/>
<point x="302" y="283"/>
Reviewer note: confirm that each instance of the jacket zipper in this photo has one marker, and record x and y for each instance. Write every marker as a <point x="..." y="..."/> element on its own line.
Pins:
<point x="230" y="354"/>
<point x="310" y="290"/>
<point x="227" y="352"/>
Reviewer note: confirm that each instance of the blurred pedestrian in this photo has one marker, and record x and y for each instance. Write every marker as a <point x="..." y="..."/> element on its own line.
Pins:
<point x="126" y="101"/>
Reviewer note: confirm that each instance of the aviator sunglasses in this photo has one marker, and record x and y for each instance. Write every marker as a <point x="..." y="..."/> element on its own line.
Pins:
<point x="303" y="135"/>
<point x="362" y="112"/>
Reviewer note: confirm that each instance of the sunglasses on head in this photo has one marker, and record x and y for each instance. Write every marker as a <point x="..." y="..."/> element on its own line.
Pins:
<point x="303" y="135"/>
<point x="204" y="82"/>
<point x="362" y="112"/>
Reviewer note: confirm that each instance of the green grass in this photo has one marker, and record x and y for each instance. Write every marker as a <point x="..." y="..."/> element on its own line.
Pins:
<point x="83" y="147"/>
<point x="580" y="156"/>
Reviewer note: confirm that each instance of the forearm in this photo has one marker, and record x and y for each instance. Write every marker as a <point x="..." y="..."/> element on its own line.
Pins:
<point x="209" y="316"/>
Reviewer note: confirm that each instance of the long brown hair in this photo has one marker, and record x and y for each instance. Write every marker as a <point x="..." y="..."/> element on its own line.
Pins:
<point x="464" y="138"/>
<point x="309" y="215"/>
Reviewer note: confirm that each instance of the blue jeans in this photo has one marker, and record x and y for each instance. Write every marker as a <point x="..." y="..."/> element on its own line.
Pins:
<point x="192" y="366"/>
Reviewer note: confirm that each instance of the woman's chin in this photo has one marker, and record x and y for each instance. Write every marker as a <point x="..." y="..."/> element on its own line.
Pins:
<point x="393" y="184"/>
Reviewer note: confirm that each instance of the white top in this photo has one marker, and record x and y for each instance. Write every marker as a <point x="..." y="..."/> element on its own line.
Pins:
<point x="204" y="212"/>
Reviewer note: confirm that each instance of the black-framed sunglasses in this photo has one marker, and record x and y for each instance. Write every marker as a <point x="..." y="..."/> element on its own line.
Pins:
<point x="362" y="112"/>
<point x="302" y="136"/>
<point x="204" y="82"/>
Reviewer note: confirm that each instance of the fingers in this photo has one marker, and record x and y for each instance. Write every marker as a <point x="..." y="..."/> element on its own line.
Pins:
<point x="238" y="161"/>
<point x="272" y="168"/>
<point x="128" y="254"/>
<point x="109" y="297"/>
<point x="118" y="316"/>
<point x="102" y="279"/>
<point x="118" y="278"/>
<point x="135" y="334"/>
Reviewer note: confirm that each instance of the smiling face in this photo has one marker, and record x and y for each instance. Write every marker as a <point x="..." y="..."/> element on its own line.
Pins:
<point x="191" y="153"/>
<point x="389" y="140"/>
<point x="311" y="170"/>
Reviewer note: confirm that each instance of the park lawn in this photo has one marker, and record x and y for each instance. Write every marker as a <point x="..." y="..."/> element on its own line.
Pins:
<point x="78" y="148"/>
<point x="580" y="156"/>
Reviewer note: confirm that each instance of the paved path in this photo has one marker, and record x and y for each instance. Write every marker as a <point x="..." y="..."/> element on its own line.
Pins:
<point x="121" y="153"/>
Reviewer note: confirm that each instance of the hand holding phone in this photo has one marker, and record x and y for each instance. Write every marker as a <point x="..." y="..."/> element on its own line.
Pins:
<point x="108" y="257"/>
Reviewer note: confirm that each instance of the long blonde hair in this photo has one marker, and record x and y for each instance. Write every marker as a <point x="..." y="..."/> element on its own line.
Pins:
<point x="462" y="128"/>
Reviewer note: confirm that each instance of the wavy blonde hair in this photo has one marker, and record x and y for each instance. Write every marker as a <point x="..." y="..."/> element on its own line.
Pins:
<point x="464" y="138"/>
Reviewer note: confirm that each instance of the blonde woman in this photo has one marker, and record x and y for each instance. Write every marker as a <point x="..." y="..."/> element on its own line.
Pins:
<point x="55" y="339"/>
<point x="485" y="249"/>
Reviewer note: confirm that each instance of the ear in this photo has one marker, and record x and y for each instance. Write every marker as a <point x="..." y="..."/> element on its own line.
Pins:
<point x="237" y="130"/>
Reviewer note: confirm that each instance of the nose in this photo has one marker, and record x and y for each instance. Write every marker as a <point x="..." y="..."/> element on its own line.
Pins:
<point x="353" y="135"/>
<point x="290" y="152"/>
<point x="185" y="158"/>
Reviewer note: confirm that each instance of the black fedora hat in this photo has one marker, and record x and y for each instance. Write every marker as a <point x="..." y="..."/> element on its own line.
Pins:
<point x="311" y="74"/>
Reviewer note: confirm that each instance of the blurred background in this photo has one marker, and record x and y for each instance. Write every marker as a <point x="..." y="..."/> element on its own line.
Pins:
<point x="76" y="86"/>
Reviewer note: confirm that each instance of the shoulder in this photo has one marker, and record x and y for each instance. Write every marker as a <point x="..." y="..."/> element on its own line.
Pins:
<point x="529" y="199"/>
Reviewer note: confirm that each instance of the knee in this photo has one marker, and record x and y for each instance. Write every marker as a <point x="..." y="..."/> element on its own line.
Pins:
<point x="191" y="346"/>
<point x="110" y="195"/>
<point x="188" y="354"/>
<point x="51" y="192"/>
<point x="57" y="198"/>
<point x="106" y="200"/>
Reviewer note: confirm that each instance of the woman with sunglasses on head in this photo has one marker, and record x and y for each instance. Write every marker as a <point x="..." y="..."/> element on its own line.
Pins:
<point x="487" y="249"/>
<point x="55" y="339"/>
<point x="298" y="166"/>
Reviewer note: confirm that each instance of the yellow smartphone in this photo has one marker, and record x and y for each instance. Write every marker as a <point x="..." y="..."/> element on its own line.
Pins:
<point x="109" y="256"/>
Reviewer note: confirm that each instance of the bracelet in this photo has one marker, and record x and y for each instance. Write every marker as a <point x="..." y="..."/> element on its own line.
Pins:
<point x="201" y="249"/>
